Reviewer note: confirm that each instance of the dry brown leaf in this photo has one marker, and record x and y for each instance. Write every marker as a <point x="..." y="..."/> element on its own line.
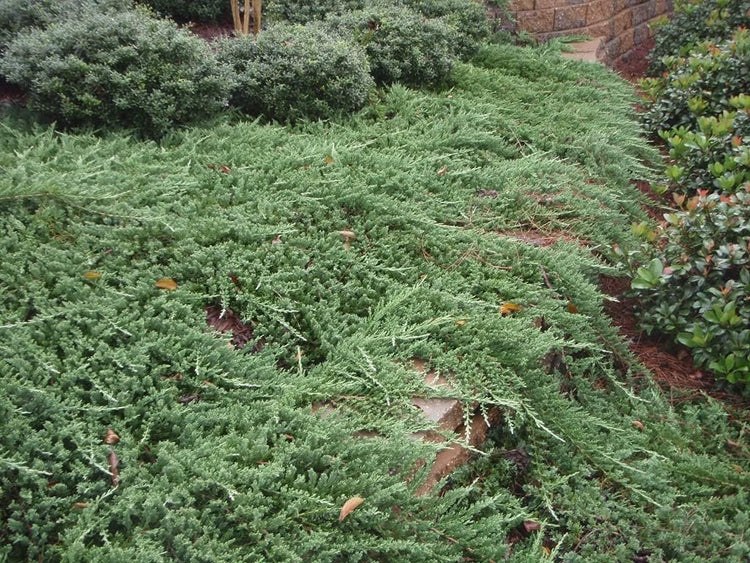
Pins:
<point x="547" y="551"/>
<point x="92" y="275"/>
<point x="639" y="425"/>
<point x="572" y="307"/>
<point x="508" y="308"/>
<point x="531" y="526"/>
<point x="443" y="171"/>
<point x="80" y="505"/>
<point x="166" y="283"/>
<point x="114" y="463"/>
<point x="460" y="323"/>
<point x="349" y="506"/>
<point x="111" y="437"/>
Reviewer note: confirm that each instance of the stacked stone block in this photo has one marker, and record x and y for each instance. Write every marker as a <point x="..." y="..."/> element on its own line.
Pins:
<point x="622" y="23"/>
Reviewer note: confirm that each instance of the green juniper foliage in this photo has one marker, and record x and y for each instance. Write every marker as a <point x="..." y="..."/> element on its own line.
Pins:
<point x="221" y="456"/>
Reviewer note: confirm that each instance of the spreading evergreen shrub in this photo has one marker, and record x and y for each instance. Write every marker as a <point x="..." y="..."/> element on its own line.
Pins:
<point x="401" y="44"/>
<point x="191" y="10"/>
<point x="126" y="69"/>
<point x="297" y="71"/>
<point x="693" y="22"/>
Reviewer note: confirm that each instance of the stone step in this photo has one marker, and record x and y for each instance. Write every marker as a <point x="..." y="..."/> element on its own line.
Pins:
<point x="592" y="51"/>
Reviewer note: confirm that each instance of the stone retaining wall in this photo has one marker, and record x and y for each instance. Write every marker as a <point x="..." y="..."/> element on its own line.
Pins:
<point x="622" y="23"/>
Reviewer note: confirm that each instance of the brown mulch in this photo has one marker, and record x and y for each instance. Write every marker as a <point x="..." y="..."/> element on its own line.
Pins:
<point x="633" y="65"/>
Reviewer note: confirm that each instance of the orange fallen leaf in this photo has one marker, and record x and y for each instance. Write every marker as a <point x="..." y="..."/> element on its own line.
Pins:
<point x="92" y="275"/>
<point x="572" y="307"/>
<point x="111" y="437"/>
<point x="547" y="551"/>
<point x="508" y="308"/>
<point x="166" y="283"/>
<point x="639" y="425"/>
<point x="349" y="506"/>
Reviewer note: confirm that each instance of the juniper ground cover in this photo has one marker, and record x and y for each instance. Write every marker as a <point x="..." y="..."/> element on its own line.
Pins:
<point x="347" y="248"/>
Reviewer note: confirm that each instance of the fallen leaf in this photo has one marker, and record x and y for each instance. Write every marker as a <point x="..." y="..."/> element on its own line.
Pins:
<point x="639" y="425"/>
<point x="531" y="526"/>
<point x="92" y="275"/>
<point x="111" y="437"/>
<point x="349" y="506"/>
<point x="328" y="159"/>
<point x="80" y="505"/>
<point x="547" y="551"/>
<point x="114" y="462"/>
<point x="443" y="171"/>
<point x="572" y="308"/>
<point x="276" y="240"/>
<point x="460" y="323"/>
<point x="508" y="308"/>
<point x="166" y="283"/>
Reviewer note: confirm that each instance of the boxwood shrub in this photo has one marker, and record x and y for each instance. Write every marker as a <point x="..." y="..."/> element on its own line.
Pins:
<point x="17" y="15"/>
<point x="401" y="44"/>
<point x="126" y="69"/>
<point x="291" y="72"/>
<point x="191" y="10"/>
<point x="304" y="11"/>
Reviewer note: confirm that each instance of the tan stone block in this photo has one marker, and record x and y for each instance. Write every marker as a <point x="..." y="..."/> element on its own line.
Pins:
<point x="641" y="33"/>
<point x="641" y="13"/>
<point x="521" y="5"/>
<point x="572" y="17"/>
<point x="627" y="42"/>
<point x="662" y="7"/>
<point x="536" y="21"/>
<point x="597" y="30"/>
<point x="621" y="22"/>
<point x="544" y="4"/>
<point x="598" y="11"/>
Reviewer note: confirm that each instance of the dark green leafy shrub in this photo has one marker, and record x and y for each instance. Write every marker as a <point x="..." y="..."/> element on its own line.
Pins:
<point x="401" y="44"/>
<point x="127" y="69"/>
<point x="694" y="282"/>
<point x="467" y="17"/>
<point x="699" y="84"/>
<point x="696" y="21"/>
<point x="191" y="10"/>
<point x="304" y="11"/>
<point x="17" y="15"/>
<point x="293" y="71"/>
<point x="716" y="154"/>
